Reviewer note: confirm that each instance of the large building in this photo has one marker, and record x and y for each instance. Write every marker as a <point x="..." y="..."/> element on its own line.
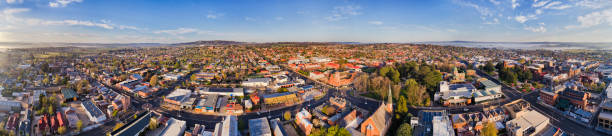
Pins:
<point x="442" y="126"/>
<point x="174" y="127"/>
<point x="227" y="127"/>
<point x="6" y="106"/>
<point x="529" y="124"/>
<point x="134" y="127"/>
<point x="178" y="96"/>
<point x="579" y="99"/>
<point x="380" y="121"/>
<point x="302" y="119"/>
<point x="280" y="98"/>
<point x="604" y="120"/>
<point x="93" y="112"/>
<point x="256" y="82"/>
<point x="549" y="95"/>
<point x="454" y="94"/>
<point x="516" y="108"/>
<point x="221" y="91"/>
<point x="259" y="127"/>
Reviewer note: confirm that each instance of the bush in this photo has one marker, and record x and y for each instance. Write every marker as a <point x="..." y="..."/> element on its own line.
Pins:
<point x="287" y="115"/>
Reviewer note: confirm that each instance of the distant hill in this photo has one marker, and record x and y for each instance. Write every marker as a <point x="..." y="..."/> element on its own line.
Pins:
<point x="214" y="42"/>
<point x="527" y="45"/>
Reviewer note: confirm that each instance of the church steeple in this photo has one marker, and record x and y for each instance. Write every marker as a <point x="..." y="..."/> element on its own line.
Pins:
<point x="390" y="100"/>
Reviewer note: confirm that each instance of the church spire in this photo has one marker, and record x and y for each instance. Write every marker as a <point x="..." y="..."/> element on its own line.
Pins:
<point x="390" y="100"/>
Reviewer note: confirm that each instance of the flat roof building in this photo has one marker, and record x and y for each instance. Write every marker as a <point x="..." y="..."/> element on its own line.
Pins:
<point x="532" y="122"/>
<point x="221" y="91"/>
<point x="134" y="127"/>
<point x="174" y="127"/>
<point x="259" y="127"/>
<point x="178" y="96"/>
<point x="93" y="112"/>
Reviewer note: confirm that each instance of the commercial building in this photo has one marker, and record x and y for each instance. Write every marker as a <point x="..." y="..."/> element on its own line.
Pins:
<point x="256" y="82"/>
<point x="425" y="122"/>
<point x="221" y="91"/>
<point x="302" y="119"/>
<point x="549" y="95"/>
<point x="6" y="106"/>
<point x="227" y="127"/>
<point x="579" y="99"/>
<point x="207" y="104"/>
<point x="604" y="120"/>
<point x="516" y="108"/>
<point x="178" y="96"/>
<point x="530" y="123"/>
<point x="277" y="127"/>
<point x="280" y="98"/>
<point x="454" y="94"/>
<point x="259" y="127"/>
<point x="174" y="127"/>
<point x="68" y="94"/>
<point x="337" y="101"/>
<point x="442" y="126"/>
<point x="93" y="112"/>
<point x="134" y="127"/>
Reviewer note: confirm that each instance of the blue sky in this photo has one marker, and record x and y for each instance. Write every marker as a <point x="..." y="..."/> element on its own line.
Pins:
<point x="127" y="21"/>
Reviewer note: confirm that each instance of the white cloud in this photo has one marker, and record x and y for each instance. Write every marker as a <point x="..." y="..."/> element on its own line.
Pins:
<point x="521" y="19"/>
<point x="484" y="11"/>
<point x="594" y="19"/>
<point x="539" y="4"/>
<point x="11" y="11"/>
<point x="495" y="2"/>
<point x="343" y="12"/>
<point x="538" y="11"/>
<point x="556" y="5"/>
<point x="14" y="1"/>
<point x="495" y="21"/>
<point x="62" y="3"/>
<point x="594" y="4"/>
<point x="375" y="22"/>
<point x="279" y="18"/>
<point x="249" y="19"/>
<point x="8" y="16"/>
<point x="213" y="15"/>
<point x="177" y="31"/>
<point x="539" y="29"/>
<point x="515" y="4"/>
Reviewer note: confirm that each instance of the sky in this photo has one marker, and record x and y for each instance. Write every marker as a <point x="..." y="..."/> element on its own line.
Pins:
<point x="172" y="21"/>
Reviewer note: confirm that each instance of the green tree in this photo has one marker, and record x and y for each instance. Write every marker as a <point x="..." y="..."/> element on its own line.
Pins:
<point x="415" y="93"/>
<point x="79" y="125"/>
<point x="153" y="124"/>
<point x="402" y="105"/>
<point x="117" y="126"/>
<point x="46" y="80"/>
<point x="287" y="115"/>
<point x="331" y="131"/>
<point x="282" y="90"/>
<point x="489" y="129"/>
<point x="488" y="67"/>
<point x="61" y="130"/>
<point x="153" y="80"/>
<point x="57" y="79"/>
<point x="404" y="130"/>
<point x="390" y="73"/>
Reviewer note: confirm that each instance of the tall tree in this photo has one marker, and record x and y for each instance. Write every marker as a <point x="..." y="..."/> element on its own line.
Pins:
<point x="489" y="129"/>
<point x="404" y="130"/>
<point x="153" y="80"/>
